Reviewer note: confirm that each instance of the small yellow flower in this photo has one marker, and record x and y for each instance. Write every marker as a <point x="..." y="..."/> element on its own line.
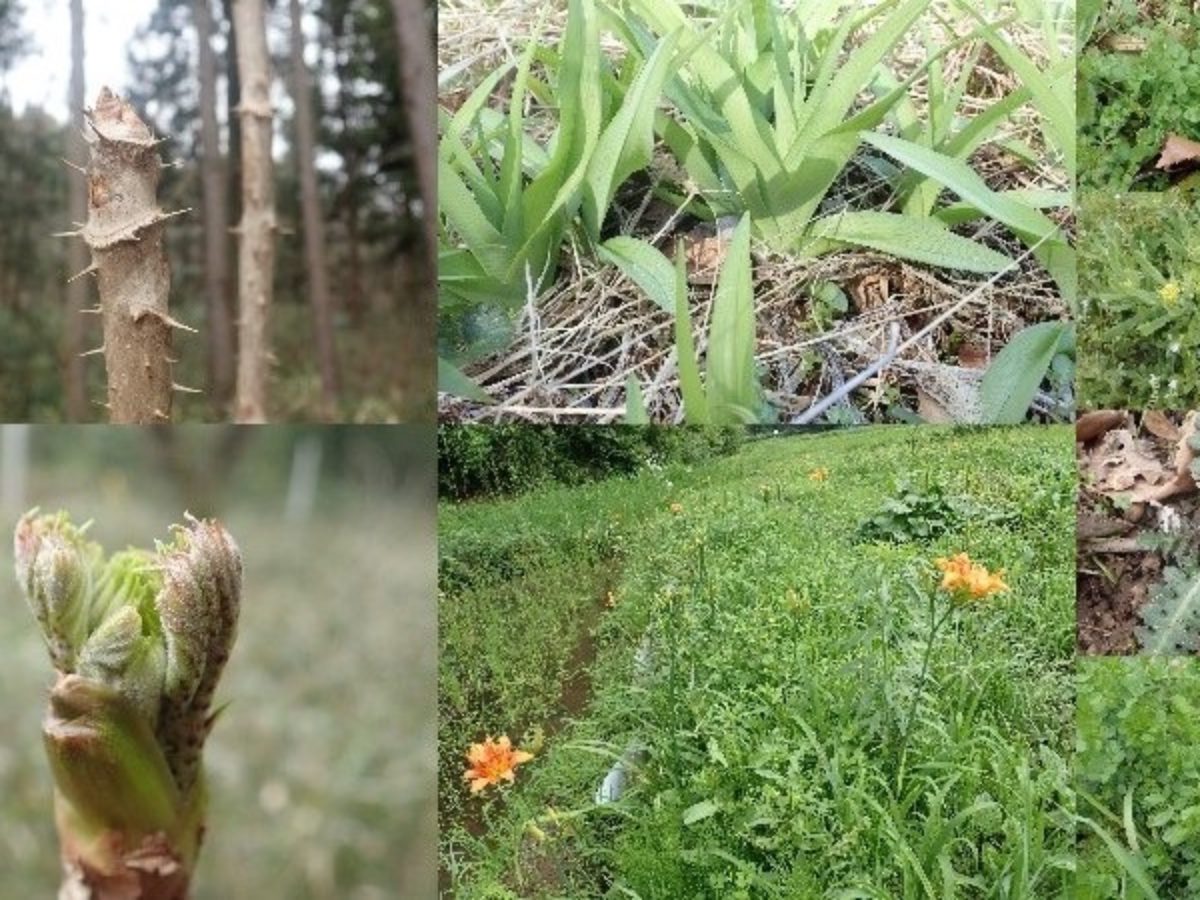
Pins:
<point x="493" y="761"/>
<point x="676" y="508"/>
<point x="966" y="580"/>
<point x="610" y="600"/>
<point x="818" y="474"/>
<point x="1169" y="293"/>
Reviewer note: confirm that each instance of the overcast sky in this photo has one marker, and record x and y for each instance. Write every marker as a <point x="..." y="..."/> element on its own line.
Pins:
<point x="42" y="75"/>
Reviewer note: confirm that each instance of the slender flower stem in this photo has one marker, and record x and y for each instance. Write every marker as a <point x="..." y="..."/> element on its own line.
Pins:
<point x="935" y="625"/>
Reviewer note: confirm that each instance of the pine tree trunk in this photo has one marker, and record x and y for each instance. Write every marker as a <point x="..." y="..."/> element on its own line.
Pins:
<point x="216" y="224"/>
<point x="75" y="370"/>
<point x="256" y="237"/>
<point x="124" y="231"/>
<point x="314" y="223"/>
<point x="418" y="89"/>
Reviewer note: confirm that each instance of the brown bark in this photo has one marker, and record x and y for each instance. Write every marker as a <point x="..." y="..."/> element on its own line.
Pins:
<point x="256" y="238"/>
<point x="419" y="90"/>
<point x="314" y="223"/>
<point x="124" y="232"/>
<point x="75" y="370"/>
<point x="216" y="223"/>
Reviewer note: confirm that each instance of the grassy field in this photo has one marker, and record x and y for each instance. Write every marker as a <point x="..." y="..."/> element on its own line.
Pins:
<point x="320" y="769"/>
<point x="754" y="637"/>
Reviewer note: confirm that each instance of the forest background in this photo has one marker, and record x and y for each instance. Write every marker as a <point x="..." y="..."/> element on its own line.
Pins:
<point x="350" y="334"/>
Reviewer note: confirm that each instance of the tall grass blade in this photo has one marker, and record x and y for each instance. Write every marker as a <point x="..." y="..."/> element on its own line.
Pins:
<point x="691" y="390"/>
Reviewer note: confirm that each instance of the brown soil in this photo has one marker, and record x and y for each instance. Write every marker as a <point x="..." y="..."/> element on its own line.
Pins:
<point x="1109" y="590"/>
<point x="1115" y="567"/>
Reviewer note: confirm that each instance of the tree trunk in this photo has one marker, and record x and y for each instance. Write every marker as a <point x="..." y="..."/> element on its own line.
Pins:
<point x="216" y="224"/>
<point x="349" y="202"/>
<point x="256" y="238"/>
<point x="419" y="90"/>
<point x="233" y="90"/>
<point x="75" y="370"/>
<point x="314" y="224"/>
<point x="124" y="231"/>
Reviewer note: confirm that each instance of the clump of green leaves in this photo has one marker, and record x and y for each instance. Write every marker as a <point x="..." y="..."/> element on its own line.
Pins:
<point x="507" y="200"/>
<point x="1139" y="327"/>
<point x="768" y="122"/>
<point x="914" y="514"/>
<point x="764" y="118"/>
<point x="1130" y="101"/>
<point x="1136" y="755"/>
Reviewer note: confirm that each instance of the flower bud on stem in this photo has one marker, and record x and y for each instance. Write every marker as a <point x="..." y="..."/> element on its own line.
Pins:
<point x="139" y="642"/>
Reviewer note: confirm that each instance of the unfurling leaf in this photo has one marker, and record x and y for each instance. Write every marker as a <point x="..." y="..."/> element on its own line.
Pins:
<point x="53" y="563"/>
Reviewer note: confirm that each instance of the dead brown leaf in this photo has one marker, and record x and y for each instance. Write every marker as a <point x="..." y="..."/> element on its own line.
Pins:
<point x="1090" y="425"/>
<point x="973" y="355"/>
<point x="1156" y="422"/>
<point x="1177" y="150"/>
<point x="1123" y="464"/>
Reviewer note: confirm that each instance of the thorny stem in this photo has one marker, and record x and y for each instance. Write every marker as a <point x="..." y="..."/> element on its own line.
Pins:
<point x="124" y="232"/>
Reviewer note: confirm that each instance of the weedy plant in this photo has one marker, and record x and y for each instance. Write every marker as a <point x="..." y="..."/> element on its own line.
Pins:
<point x="138" y="641"/>
<point x="1139" y="328"/>
<point x="1137" y="734"/>
<point x="1139" y="81"/>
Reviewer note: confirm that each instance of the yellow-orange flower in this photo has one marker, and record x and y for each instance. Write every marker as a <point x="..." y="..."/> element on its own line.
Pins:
<point x="818" y="474"/>
<point x="967" y="580"/>
<point x="677" y="508"/>
<point x="493" y="761"/>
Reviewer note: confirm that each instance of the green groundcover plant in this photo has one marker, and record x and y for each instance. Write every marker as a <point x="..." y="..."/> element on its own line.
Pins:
<point x="138" y="641"/>
<point x="1130" y="100"/>
<point x="762" y="109"/>
<point x="1137" y="770"/>
<point x="1139" y="330"/>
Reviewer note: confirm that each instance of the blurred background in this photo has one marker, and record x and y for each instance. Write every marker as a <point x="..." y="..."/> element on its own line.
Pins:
<point x="321" y="769"/>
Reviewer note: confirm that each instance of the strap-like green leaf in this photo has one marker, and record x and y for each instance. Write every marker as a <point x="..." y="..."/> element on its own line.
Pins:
<point x="923" y="240"/>
<point x="1012" y="380"/>
<point x="645" y="266"/>
<point x="732" y="385"/>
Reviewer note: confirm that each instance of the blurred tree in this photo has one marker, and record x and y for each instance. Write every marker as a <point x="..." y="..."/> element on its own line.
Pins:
<point x="256" y="230"/>
<point x="314" y="221"/>
<point x="216" y="222"/>
<point x="414" y="37"/>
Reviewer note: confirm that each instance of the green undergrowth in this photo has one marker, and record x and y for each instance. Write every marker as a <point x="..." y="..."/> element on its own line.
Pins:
<point x="1138" y="82"/>
<point x="1137" y="765"/>
<point x="1139" y="273"/>
<point x="791" y="745"/>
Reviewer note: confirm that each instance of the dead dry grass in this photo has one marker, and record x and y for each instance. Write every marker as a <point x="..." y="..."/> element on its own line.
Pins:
<point x="576" y="347"/>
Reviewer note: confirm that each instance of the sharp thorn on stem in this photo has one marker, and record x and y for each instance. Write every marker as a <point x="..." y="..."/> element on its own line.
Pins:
<point x="183" y="389"/>
<point x="94" y="352"/>
<point x="89" y="270"/>
<point x="77" y="168"/>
